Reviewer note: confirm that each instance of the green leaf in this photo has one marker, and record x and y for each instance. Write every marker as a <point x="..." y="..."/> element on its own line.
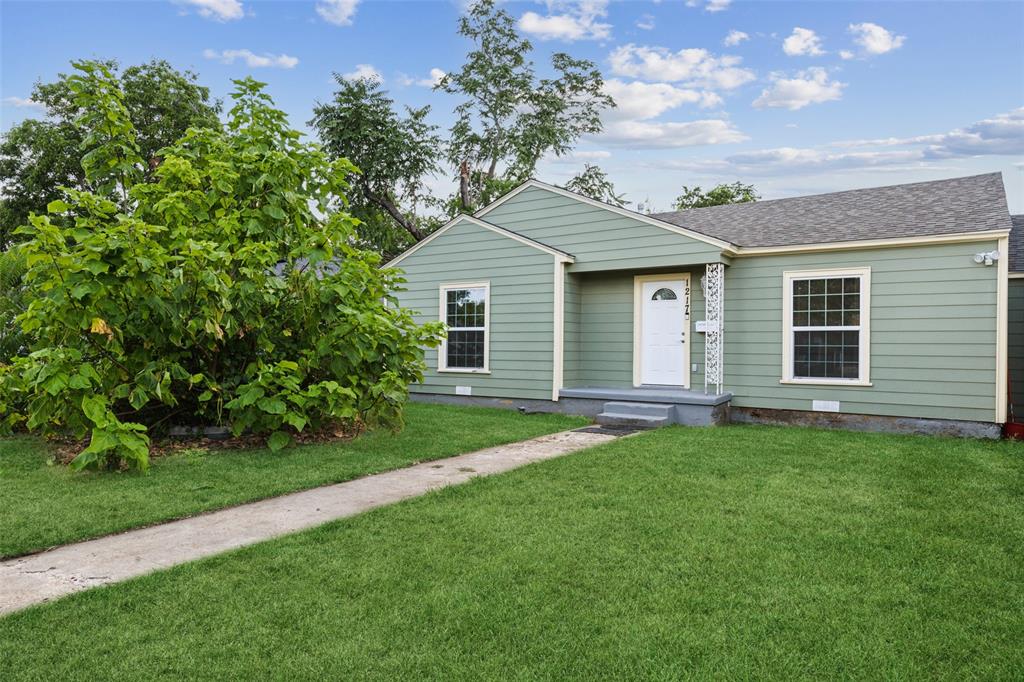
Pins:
<point x="57" y="206"/>
<point x="296" y="420"/>
<point x="272" y="405"/>
<point x="95" y="409"/>
<point x="138" y="397"/>
<point x="278" y="440"/>
<point x="96" y="267"/>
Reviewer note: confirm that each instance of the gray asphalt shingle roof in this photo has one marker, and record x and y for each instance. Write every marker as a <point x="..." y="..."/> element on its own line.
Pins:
<point x="1017" y="243"/>
<point x="972" y="204"/>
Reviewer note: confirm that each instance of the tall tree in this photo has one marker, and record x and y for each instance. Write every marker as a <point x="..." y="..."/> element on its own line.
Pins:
<point x="39" y="156"/>
<point x="509" y="118"/>
<point x="734" y="193"/>
<point x="394" y="154"/>
<point x="594" y="183"/>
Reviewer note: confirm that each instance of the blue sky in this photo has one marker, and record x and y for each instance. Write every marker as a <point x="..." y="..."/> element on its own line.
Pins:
<point x="804" y="97"/>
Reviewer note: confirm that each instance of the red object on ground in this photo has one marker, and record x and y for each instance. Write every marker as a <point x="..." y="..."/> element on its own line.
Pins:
<point x="1012" y="428"/>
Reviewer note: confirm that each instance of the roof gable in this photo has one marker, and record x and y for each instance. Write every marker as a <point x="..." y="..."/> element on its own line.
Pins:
<point x="640" y="217"/>
<point x="464" y="218"/>
<point x="600" y="237"/>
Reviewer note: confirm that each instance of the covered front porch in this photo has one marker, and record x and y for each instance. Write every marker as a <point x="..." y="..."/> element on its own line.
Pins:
<point x="647" y="341"/>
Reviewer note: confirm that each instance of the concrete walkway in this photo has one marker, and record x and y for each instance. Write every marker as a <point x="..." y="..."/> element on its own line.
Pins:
<point x="63" y="570"/>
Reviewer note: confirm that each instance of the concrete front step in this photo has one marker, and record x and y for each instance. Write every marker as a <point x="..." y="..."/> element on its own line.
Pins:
<point x="640" y="409"/>
<point x="635" y="421"/>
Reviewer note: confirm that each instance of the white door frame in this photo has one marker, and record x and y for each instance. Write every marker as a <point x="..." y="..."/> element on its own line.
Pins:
<point x="638" y="318"/>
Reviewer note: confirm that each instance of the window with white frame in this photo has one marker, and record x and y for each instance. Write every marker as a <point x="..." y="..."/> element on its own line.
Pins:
<point x="464" y="310"/>
<point x="826" y="326"/>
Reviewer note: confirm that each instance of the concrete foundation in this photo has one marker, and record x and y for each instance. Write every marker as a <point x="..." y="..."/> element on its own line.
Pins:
<point x="586" y="408"/>
<point x="716" y="411"/>
<point x="865" y="422"/>
<point x="690" y="408"/>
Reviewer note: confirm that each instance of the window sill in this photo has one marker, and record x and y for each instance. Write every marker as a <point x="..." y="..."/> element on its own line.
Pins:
<point x="826" y="382"/>
<point x="463" y="371"/>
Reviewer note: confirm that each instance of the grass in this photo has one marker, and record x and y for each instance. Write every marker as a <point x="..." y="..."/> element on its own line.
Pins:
<point x="738" y="552"/>
<point x="42" y="505"/>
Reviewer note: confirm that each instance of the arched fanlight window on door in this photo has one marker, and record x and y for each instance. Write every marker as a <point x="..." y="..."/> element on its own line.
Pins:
<point x="664" y="294"/>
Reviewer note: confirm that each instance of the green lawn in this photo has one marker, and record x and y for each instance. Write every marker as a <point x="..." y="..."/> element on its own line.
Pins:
<point x="43" y="505"/>
<point x="738" y="552"/>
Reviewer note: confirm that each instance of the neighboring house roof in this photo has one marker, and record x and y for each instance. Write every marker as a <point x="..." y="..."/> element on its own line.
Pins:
<point x="921" y="209"/>
<point x="1017" y="243"/>
<point x="466" y="218"/>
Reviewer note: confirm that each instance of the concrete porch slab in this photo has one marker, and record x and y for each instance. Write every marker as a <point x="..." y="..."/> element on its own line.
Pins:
<point x="644" y="394"/>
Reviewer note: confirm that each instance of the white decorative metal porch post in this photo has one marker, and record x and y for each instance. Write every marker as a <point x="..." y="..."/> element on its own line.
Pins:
<point x="714" y="337"/>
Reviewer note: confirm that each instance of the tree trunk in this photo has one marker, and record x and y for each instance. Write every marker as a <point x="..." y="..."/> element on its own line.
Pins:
<point x="393" y="211"/>
<point x="464" y="185"/>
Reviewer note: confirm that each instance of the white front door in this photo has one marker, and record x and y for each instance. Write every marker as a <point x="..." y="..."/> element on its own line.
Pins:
<point x="664" y="322"/>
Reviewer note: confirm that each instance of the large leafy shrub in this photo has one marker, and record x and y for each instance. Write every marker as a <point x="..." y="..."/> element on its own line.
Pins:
<point x="227" y="291"/>
<point x="12" y="304"/>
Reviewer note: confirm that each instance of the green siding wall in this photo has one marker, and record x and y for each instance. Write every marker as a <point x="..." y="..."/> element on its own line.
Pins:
<point x="571" y="331"/>
<point x="1016" y="347"/>
<point x="605" y="340"/>
<point x="599" y="239"/>
<point x="521" y="316"/>
<point x="933" y="333"/>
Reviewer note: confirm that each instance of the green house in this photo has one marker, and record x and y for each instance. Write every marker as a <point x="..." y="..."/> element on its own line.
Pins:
<point x="882" y="308"/>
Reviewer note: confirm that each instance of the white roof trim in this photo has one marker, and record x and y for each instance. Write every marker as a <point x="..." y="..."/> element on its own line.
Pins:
<point x="562" y="255"/>
<point x="717" y="243"/>
<point x="891" y="242"/>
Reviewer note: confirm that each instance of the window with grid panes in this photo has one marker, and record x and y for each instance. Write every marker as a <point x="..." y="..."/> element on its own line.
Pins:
<point x="826" y="327"/>
<point x="465" y="315"/>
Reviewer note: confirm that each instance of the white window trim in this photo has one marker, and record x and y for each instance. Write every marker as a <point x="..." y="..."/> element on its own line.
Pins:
<point x="788" y="277"/>
<point x="442" y="309"/>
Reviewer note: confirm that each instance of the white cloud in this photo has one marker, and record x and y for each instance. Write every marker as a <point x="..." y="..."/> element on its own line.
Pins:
<point x="695" y="66"/>
<point x="221" y="10"/>
<point x="874" y="40"/>
<point x="802" y="41"/>
<point x="654" y="135"/>
<point x="1002" y="134"/>
<point x="575" y="157"/>
<point x="807" y="87"/>
<point x="364" y="71"/>
<point x="430" y="81"/>
<point x="568" y="21"/>
<point x="846" y="54"/>
<point x="641" y="101"/>
<point x="717" y="5"/>
<point x="24" y="103"/>
<point x="645" y="22"/>
<point x="253" y="60"/>
<point x="735" y="38"/>
<point x="436" y="75"/>
<point x="337" y="12"/>
<point x="792" y="160"/>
